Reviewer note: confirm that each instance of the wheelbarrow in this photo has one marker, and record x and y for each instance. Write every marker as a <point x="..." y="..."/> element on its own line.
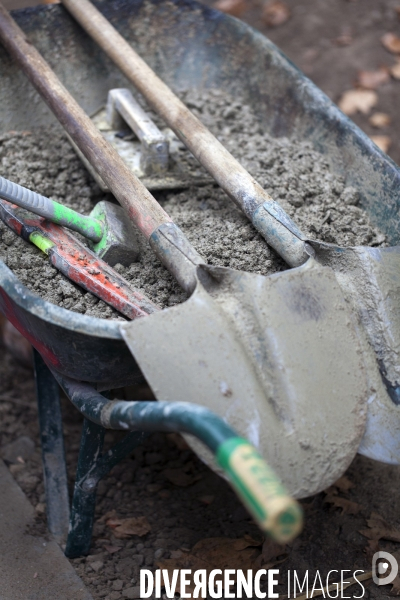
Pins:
<point x="187" y="44"/>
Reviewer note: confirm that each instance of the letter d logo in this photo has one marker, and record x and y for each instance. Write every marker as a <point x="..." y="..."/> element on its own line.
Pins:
<point x="381" y="562"/>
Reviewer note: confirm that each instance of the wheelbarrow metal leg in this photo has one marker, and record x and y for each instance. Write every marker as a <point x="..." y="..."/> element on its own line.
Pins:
<point x="93" y="466"/>
<point x="84" y="499"/>
<point x="53" y="455"/>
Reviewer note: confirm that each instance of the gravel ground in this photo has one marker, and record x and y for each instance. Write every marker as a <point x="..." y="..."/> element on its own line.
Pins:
<point x="181" y="515"/>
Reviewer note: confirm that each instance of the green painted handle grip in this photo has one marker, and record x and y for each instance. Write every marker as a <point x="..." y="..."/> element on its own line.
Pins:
<point x="51" y="210"/>
<point x="259" y="488"/>
<point x="41" y="241"/>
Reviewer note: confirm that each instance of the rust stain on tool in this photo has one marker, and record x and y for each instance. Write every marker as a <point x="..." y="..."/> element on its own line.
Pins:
<point x="79" y="264"/>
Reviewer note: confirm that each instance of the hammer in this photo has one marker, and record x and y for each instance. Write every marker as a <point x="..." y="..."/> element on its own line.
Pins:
<point x="110" y="232"/>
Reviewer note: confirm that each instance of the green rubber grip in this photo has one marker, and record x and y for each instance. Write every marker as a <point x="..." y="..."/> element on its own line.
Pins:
<point x="41" y="241"/>
<point x="260" y="490"/>
<point x="85" y="225"/>
<point x="50" y="209"/>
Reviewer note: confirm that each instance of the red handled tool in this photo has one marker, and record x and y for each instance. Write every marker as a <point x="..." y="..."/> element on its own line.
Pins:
<point x="77" y="262"/>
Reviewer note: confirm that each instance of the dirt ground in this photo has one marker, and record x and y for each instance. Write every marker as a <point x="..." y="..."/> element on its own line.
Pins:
<point x="331" y="42"/>
<point x="184" y="509"/>
<point x="184" y="503"/>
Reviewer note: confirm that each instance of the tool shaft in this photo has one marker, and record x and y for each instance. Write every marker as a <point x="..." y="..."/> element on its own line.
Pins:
<point x="141" y="206"/>
<point x="77" y="262"/>
<point x="145" y="212"/>
<point x="51" y="210"/>
<point x="240" y="186"/>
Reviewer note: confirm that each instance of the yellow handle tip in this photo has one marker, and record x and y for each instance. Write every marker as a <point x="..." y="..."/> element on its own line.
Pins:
<point x="279" y="515"/>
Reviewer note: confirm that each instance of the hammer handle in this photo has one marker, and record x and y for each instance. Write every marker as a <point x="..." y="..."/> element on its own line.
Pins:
<point x="142" y="208"/>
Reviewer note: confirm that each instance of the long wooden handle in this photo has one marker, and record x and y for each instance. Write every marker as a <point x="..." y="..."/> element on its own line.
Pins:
<point x="225" y="169"/>
<point x="266" y="215"/>
<point x="142" y="208"/>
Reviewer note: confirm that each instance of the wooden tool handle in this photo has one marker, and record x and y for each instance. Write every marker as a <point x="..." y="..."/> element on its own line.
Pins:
<point x="142" y="208"/>
<point x="225" y="169"/>
<point x="240" y="186"/>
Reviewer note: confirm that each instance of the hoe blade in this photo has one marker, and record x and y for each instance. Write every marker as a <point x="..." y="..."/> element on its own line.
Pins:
<point x="278" y="357"/>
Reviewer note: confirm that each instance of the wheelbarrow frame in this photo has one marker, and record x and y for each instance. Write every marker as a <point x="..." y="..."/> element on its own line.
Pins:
<point x="191" y="47"/>
<point x="183" y="36"/>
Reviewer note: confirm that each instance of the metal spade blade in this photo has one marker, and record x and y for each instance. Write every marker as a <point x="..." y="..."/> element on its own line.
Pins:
<point x="283" y="349"/>
<point x="265" y="353"/>
<point x="370" y="279"/>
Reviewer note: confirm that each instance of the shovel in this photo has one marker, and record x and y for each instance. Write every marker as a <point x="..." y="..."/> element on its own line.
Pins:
<point x="280" y="358"/>
<point x="369" y="277"/>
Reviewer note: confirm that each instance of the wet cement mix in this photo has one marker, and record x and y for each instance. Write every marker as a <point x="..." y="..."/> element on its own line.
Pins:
<point x="293" y="173"/>
<point x="178" y="503"/>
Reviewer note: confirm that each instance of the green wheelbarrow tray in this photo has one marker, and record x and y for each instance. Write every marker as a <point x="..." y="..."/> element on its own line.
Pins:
<point x="191" y="46"/>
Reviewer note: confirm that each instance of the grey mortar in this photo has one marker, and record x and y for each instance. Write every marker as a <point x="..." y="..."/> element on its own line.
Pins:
<point x="293" y="173"/>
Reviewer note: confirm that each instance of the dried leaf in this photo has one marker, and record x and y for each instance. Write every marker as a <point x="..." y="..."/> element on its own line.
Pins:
<point x="178" y="441"/>
<point x="379" y="529"/>
<point x="275" y="13"/>
<point x="354" y="101"/>
<point x="179" y="477"/>
<point x="343" y="484"/>
<point x="125" y="528"/>
<point x="111" y="514"/>
<point x="346" y="39"/>
<point x="395" y="591"/>
<point x="380" y="120"/>
<point x="207" y="499"/>
<point x="232" y="7"/>
<point x="347" y="506"/>
<point x="395" y="70"/>
<point x="391" y="42"/>
<point x="382" y="141"/>
<point x="371" y="548"/>
<point x="370" y="80"/>
<point x="215" y="553"/>
<point x="270" y="553"/>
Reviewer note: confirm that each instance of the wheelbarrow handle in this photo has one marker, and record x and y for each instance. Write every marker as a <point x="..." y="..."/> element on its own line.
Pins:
<point x="266" y="215"/>
<point x="260" y="489"/>
<point x="256" y="484"/>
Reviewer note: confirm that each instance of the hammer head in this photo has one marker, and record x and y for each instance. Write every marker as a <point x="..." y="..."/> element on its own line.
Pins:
<point x="120" y="242"/>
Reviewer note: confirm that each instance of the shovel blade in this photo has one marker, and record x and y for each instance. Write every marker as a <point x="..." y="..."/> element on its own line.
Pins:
<point x="370" y="278"/>
<point x="277" y="357"/>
